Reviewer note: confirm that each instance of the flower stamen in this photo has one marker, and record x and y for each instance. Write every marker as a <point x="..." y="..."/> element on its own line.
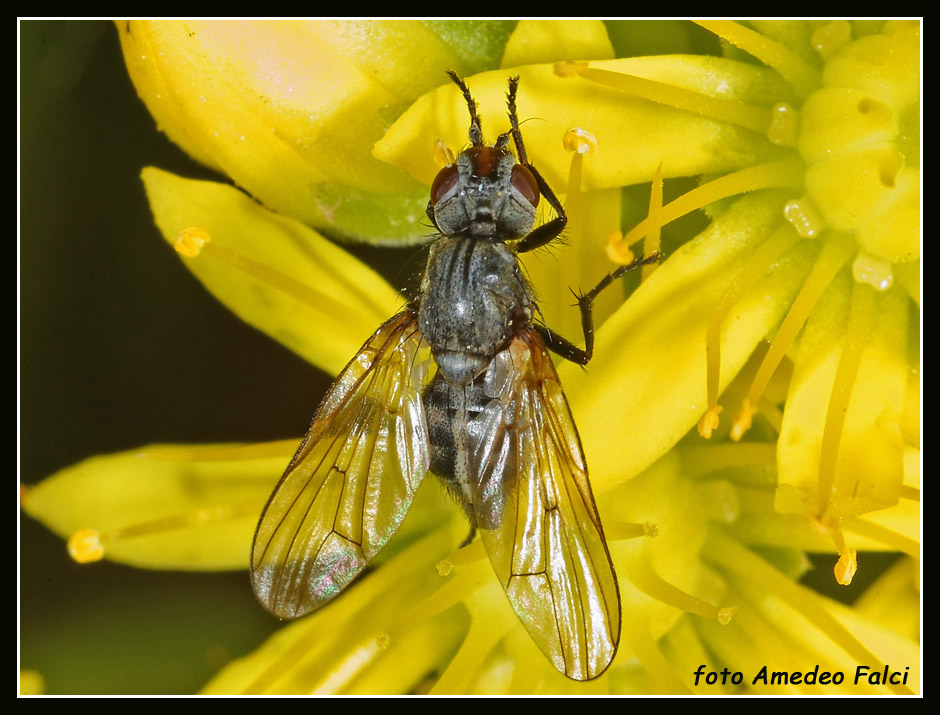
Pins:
<point x="740" y="563"/>
<point x="755" y="267"/>
<point x="88" y="545"/>
<point x="579" y="142"/>
<point x="85" y="546"/>
<point x="617" y="248"/>
<point x="709" y="421"/>
<point x="636" y="633"/>
<point x="835" y="253"/>
<point x="618" y="251"/>
<point x="861" y="320"/>
<point x="190" y="241"/>
<point x="798" y="74"/>
<point x="649" y="582"/>
<point x="623" y="531"/>
<point x="194" y="242"/>
<point x="654" y="216"/>
<point x="443" y="156"/>
<point x="483" y="635"/>
<point x="890" y="538"/>
<point x="772" y="174"/>
<point x="733" y="112"/>
<point x="847" y="565"/>
<point x="460" y="585"/>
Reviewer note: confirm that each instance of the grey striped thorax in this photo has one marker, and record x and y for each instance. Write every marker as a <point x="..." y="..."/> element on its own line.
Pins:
<point x="473" y="299"/>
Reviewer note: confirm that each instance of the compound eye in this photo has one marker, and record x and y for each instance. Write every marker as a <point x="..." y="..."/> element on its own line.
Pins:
<point x="443" y="183"/>
<point x="524" y="182"/>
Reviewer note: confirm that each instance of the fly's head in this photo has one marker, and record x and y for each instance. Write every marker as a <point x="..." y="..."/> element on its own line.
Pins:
<point x="486" y="193"/>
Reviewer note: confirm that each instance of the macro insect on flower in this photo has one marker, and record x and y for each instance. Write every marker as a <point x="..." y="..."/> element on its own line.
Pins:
<point x="459" y="383"/>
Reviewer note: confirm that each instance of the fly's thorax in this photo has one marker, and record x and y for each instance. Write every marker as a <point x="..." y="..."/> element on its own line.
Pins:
<point x="485" y="194"/>
<point x="474" y="299"/>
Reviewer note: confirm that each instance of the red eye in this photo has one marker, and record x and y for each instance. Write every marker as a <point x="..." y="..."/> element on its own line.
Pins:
<point x="444" y="181"/>
<point x="525" y="184"/>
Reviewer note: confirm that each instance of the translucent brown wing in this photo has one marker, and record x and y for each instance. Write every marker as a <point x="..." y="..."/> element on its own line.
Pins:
<point x="546" y="545"/>
<point x="353" y="478"/>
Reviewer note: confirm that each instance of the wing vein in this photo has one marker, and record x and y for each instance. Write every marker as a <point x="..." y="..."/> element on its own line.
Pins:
<point x="339" y="500"/>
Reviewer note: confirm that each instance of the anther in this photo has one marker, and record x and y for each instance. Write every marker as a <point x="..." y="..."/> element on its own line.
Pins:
<point x="85" y="546"/>
<point x="742" y="420"/>
<point x="580" y="141"/>
<point x="569" y="68"/>
<point x="617" y="250"/>
<point x="443" y="156"/>
<point x="709" y="421"/>
<point x="189" y="241"/>
<point x="846" y="567"/>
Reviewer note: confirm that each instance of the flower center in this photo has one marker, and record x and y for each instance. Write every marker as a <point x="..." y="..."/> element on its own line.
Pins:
<point x="854" y="175"/>
<point x="858" y="175"/>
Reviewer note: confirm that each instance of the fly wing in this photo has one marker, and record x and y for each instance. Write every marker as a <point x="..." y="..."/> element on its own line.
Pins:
<point x="353" y="478"/>
<point x="537" y="514"/>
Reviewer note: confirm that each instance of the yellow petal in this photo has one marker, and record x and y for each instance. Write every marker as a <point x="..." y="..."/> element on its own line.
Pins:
<point x="357" y="643"/>
<point x="885" y="65"/>
<point x="869" y="466"/>
<point x="290" y="110"/>
<point x="192" y="508"/>
<point x="661" y="496"/>
<point x="901" y="653"/>
<point x="908" y="275"/>
<point x="860" y="135"/>
<point x="894" y="599"/>
<point x="787" y="627"/>
<point x="635" y="135"/>
<point x="645" y="387"/>
<point x="32" y="683"/>
<point x="273" y="272"/>
<point x="537" y="41"/>
<point x="577" y="264"/>
<point x="892" y="230"/>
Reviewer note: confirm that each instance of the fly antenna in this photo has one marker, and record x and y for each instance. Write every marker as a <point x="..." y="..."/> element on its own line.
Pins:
<point x="514" y="121"/>
<point x="476" y="131"/>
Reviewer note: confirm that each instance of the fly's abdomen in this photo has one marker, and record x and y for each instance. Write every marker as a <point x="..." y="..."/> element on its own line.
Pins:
<point x="457" y="432"/>
<point x="449" y="410"/>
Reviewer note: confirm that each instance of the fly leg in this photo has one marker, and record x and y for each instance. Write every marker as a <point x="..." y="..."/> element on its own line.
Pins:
<point x="567" y="349"/>
<point x="547" y="232"/>
<point x="469" y="539"/>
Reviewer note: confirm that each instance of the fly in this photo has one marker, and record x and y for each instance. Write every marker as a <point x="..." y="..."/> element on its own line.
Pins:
<point x="459" y="383"/>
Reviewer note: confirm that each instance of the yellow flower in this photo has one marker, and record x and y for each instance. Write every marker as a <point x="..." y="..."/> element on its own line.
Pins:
<point x="805" y="143"/>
